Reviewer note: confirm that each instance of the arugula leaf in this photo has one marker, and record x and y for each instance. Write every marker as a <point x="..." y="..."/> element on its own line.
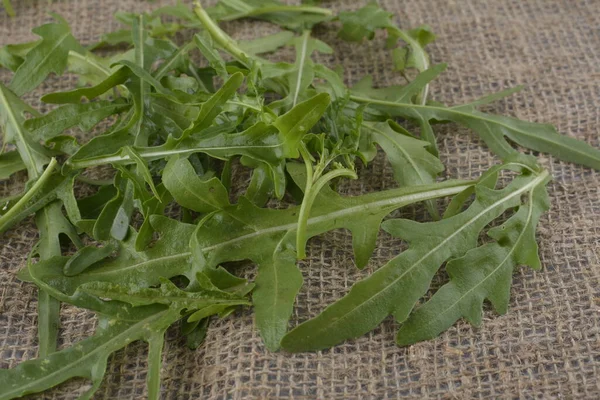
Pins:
<point x="10" y="162"/>
<point x="363" y="22"/>
<point x="267" y="237"/>
<point x="74" y="96"/>
<point x="85" y="116"/>
<point x="11" y="55"/>
<point x="47" y="188"/>
<point x="288" y="16"/>
<point x="266" y="44"/>
<point x="51" y="223"/>
<point x="482" y="273"/>
<point x="410" y="160"/>
<point x="395" y="287"/>
<point x="190" y="191"/>
<point x="493" y="128"/>
<point x="49" y="55"/>
<point x="88" y="358"/>
<point x="12" y="111"/>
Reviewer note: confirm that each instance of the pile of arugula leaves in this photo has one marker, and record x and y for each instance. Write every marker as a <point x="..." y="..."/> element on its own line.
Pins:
<point x="173" y="130"/>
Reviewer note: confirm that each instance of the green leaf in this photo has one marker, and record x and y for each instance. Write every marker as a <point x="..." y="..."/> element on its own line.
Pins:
<point x="51" y="223"/>
<point x="10" y="162"/>
<point x="294" y="124"/>
<point x="49" y="55"/>
<point x="411" y="162"/>
<point x="87" y="256"/>
<point x="266" y="237"/>
<point x="363" y="22"/>
<point x="12" y="110"/>
<point x="266" y="44"/>
<point x="113" y="221"/>
<point x="74" y="96"/>
<point x="290" y="17"/>
<point x="49" y="187"/>
<point x="85" y="116"/>
<point x="168" y="294"/>
<point x="398" y="94"/>
<point x="493" y="128"/>
<point x="189" y="190"/>
<point x="395" y="287"/>
<point x="482" y="273"/>
<point x="214" y="105"/>
<point x="277" y="283"/>
<point x="206" y="46"/>
<point x="11" y="55"/>
<point x="88" y="358"/>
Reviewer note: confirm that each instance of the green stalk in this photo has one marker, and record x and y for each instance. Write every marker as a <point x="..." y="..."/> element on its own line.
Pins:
<point x="218" y="35"/>
<point x="280" y="8"/>
<point x="314" y="184"/>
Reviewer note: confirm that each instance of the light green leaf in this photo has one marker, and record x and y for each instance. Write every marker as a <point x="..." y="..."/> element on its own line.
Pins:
<point x="363" y="22"/>
<point x="411" y="162"/>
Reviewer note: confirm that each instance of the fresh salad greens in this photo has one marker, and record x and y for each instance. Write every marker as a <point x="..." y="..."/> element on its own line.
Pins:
<point x="158" y="242"/>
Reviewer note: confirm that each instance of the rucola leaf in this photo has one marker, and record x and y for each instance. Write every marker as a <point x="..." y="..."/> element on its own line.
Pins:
<point x="49" y="55"/>
<point x="363" y="22"/>
<point x="51" y="222"/>
<point x="190" y="190"/>
<point x="12" y="118"/>
<point x="410" y="160"/>
<point x="85" y="116"/>
<point x="267" y="237"/>
<point x="493" y="128"/>
<point x="396" y="287"/>
<point x="88" y="358"/>
<point x="288" y="16"/>
<point x="10" y="162"/>
<point x="482" y="273"/>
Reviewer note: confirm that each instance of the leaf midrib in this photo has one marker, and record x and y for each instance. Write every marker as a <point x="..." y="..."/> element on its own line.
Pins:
<point x="301" y="67"/>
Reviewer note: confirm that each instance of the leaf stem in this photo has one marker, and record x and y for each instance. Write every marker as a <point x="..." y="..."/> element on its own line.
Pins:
<point x="155" y="348"/>
<point x="5" y="220"/>
<point x="280" y="8"/>
<point x="219" y="35"/>
<point x="310" y="195"/>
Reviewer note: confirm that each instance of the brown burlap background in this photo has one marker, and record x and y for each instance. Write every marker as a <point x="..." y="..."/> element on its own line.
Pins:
<point x="547" y="346"/>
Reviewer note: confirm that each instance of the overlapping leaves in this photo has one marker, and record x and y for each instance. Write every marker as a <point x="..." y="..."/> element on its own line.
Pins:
<point x="175" y="134"/>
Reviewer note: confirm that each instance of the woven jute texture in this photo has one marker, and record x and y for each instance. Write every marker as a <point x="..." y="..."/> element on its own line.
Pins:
<point x="547" y="346"/>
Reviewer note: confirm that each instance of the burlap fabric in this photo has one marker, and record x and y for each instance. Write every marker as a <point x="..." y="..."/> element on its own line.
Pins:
<point x="547" y="346"/>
